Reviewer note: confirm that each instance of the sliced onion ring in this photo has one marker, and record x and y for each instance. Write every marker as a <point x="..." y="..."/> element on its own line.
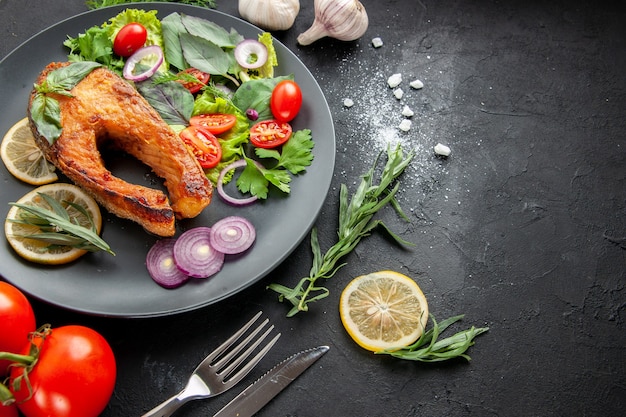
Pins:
<point x="232" y="235"/>
<point x="220" y="185"/>
<point x="135" y="58"/>
<point x="161" y="266"/>
<point x="251" y="54"/>
<point x="194" y="254"/>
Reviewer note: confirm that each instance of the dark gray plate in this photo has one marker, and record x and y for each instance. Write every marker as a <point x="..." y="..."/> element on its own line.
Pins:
<point x="120" y="286"/>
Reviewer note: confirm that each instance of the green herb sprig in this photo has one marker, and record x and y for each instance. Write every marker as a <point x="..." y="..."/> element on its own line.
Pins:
<point x="429" y="349"/>
<point x="57" y="228"/>
<point x="355" y="222"/>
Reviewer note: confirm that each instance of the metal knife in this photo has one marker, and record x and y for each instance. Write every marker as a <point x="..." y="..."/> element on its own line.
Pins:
<point x="259" y="393"/>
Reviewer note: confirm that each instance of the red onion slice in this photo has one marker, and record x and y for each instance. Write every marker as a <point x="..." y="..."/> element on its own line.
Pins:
<point x="220" y="186"/>
<point x="161" y="265"/>
<point x="137" y="57"/>
<point x="194" y="254"/>
<point x="232" y="235"/>
<point x="250" y="54"/>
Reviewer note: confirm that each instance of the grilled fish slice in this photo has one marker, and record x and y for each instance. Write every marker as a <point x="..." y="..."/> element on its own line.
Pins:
<point x="105" y="108"/>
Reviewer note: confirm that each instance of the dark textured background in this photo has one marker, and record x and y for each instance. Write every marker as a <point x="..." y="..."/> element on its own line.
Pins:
<point x="522" y="228"/>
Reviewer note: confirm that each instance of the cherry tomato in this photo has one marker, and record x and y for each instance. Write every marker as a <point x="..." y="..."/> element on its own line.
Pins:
<point x="129" y="38"/>
<point x="74" y="375"/>
<point x="194" y="87"/>
<point x="8" y="410"/>
<point x="203" y="144"/>
<point x="270" y="133"/>
<point x="18" y="320"/>
<point x="215" y="123"/>
<point x="286" y="100"/>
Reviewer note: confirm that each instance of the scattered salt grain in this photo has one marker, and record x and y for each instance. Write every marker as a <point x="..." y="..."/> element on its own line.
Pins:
<point x="348" y="102"/>
<point x="394" y="80"/>
<point x="416" y="84"/>
<point x="442" y="150"/>
<point x="377" y="42"/>
<point x="407" y="112"/>
<point x="398" y="93"/>
<point x="405" y="125"/>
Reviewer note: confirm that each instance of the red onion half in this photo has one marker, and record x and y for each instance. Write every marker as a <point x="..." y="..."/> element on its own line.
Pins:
<point x="161" y="265"/>
<point x="232" y="235"/>
<point x="194" y="254"/>
<point x="137" y="57"/>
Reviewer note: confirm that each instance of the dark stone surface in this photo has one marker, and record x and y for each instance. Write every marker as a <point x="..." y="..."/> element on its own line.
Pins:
<point x="521" y="229"/>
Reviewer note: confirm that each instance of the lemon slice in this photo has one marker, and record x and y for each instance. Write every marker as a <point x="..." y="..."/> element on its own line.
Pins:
<point x="23" y="158"/>
<point x="383" y="310"/>
<point x="38" y="251"/>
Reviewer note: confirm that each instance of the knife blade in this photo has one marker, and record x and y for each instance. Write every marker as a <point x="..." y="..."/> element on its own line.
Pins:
<point x="259" y="393"/>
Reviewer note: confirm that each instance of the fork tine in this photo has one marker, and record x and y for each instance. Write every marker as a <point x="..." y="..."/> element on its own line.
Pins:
<point x="221" y="348"/>
<point x="235" y="358"/>
<point x="244" y="370"/>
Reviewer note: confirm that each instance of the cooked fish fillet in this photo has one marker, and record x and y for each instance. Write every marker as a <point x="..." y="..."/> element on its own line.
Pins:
<point x="105" y="108"/>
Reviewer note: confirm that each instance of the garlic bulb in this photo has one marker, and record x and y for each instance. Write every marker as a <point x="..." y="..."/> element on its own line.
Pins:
<point x="270" y="14"/>
<point x="345" y="20"/>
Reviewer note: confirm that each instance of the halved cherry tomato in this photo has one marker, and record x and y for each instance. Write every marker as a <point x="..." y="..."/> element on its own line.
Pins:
<point x="286" y="100"/>
<point x="194" y="87"/>
<point x="74" y="374"/>
<point x="270" y="133"/>
<point x="129" y="38"/>
<point x="203" y="144"/>
<point x="18" y="320"/>
<point x="215" y="123"/>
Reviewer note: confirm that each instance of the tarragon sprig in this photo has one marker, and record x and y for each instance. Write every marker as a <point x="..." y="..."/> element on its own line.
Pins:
<point x="429" y="349"/>
<point x="355" y="222"/>
<point x="57" y="228"/>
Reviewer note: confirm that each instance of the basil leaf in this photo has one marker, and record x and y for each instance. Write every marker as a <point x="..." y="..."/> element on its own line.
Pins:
<point x="46" y="114"/>
<point x="66" y="78"/>
<point x="204" y="55"/>
<point x="170" y="99"/>
<point x="255" y="94"/>
<point x="172" y="27"/>
<point x="210" y="31"/>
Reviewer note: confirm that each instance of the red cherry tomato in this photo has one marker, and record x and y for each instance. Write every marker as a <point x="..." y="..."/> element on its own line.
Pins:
<point x="203" y="144"/>
<point x="215" y="123"/>
<point x="286" y="100"/>
<point x="270" y="133"/>
<point x="194" y="87"/>
<point x="8" y="410"/>
<point x="74" y="375"/>
<point x="129" y="38"/>
<point x="18" y="320"/>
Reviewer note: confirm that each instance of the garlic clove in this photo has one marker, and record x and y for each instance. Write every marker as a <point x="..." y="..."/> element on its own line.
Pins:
<point x="345" y="20"/>
<point x="270" y="14"/>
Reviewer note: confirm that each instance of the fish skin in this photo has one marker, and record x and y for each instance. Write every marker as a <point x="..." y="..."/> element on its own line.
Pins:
<point x="105" y="110"/>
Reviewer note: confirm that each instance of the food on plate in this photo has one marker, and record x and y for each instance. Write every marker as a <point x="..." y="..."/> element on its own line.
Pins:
<point x="73" y="374"/>
<point x="383" y="310"/>
<point x="129" y="39"/>
<point x="270" y="133"/>
<point x="18" y="320"/>
<point x="105" y="109"/>
<point x="71" y="229"/>
<point x="286" y="100"/>
<point x="23" y="158"/>
<point x="203" y="145"/>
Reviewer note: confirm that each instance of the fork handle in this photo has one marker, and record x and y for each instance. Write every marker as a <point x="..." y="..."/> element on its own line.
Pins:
<point x="167" y="407"/>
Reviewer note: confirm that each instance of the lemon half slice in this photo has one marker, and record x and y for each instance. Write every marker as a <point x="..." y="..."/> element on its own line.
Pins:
<point x="23" y="158"/>
<point x="383" y="310"/>
<point x="36" y="250"/>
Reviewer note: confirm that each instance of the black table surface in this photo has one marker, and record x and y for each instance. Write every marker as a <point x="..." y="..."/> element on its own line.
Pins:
<point x="522" y="228"/>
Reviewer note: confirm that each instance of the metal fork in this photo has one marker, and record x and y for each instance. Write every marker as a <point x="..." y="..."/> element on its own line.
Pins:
<point x="220" y="370"/>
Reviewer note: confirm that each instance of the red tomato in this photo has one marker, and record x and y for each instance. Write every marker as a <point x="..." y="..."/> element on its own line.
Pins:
<point x="286" y="100"/>
<point x="194" y="87"/>
<point x="203" y="144"/>
<point x="73" y="377"/>
<point x="18" y="320"/>
<point x="129" y="38"/>
<point x="270" y="133"/>
<point x="8" y="410"/>
<point x="215" y="123"/>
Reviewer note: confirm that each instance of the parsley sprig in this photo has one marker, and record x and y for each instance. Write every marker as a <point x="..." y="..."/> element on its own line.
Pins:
<point x="355" y="222"/>
<point x="428" y="348"/>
